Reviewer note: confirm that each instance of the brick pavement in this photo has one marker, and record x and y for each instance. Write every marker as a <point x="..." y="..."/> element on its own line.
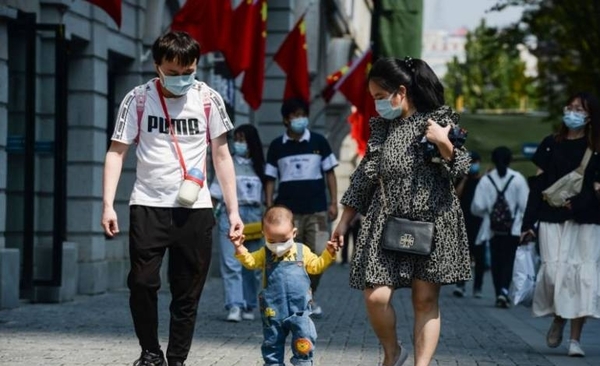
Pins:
<point x="97" y="330"/>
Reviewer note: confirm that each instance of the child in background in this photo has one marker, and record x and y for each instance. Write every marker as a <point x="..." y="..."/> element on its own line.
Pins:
<point x="284" y="300"/>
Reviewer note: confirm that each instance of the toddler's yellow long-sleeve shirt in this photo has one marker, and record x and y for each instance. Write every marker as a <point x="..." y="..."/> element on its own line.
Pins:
<point x="313" y="263"/>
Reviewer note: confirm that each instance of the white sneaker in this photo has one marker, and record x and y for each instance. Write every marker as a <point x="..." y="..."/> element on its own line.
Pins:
<point x="248" y="315"/>
<point x="235" y="314"/>
<point x="575" y="349"/>
<point x="316" y="310"/>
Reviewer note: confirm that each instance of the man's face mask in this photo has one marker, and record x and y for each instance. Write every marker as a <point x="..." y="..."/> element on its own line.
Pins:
<point x="386" y="110"/>
<point x="177" y="85"/>
<point x="474" y="169"/>
<point x="298" y="124"/>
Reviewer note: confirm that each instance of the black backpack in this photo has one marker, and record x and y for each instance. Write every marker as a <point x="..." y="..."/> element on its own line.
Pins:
<point x="501" y="219"/>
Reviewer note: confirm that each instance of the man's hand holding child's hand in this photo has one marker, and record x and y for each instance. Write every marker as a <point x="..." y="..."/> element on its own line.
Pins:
<point x="238" y="242"/>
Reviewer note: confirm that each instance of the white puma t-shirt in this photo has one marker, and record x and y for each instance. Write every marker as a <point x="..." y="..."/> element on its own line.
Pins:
<point x="159" y="173"/>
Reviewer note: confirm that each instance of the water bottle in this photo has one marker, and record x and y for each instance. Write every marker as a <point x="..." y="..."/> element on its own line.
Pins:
<point x="190" y="187"/>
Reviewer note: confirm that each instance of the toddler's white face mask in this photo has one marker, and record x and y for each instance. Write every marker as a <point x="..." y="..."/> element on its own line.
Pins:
<point x="280" y="249"/>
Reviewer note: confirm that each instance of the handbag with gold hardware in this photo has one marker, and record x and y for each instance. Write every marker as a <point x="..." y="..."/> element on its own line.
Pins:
<point x="404" y="235"/>
<point x="253" y="231"/>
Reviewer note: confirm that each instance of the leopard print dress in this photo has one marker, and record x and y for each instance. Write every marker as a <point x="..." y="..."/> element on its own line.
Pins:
<point x="415" y="188"/>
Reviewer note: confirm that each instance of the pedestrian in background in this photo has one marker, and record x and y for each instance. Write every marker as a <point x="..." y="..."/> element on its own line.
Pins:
<point x="568" y="284"/>
<point x="303" y="163"/>
<point x="171" y="118"/>
<point x="500" y="198"/>
<point x="286" y="295"/>
<point x="241" y="285"/>
<point x="398" y="169"/>
<point x="465" y="191"/>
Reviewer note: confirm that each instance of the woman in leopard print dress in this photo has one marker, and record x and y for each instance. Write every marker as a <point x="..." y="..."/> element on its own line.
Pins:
<point x="409" y="98"/>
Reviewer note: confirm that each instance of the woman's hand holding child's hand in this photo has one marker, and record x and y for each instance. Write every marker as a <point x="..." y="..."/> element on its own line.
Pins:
<point x="333" y="246"/>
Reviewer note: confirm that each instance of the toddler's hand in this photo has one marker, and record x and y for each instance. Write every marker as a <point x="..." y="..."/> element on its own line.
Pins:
<point x="332" y="246"/>
<point x="238" y="240"/>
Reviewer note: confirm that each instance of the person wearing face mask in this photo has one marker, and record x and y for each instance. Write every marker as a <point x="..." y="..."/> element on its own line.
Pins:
<point x="397" y="178"/>
<point x="286" y="293"/>
<point x="303" y="163"/>
<point x="465" y="190"/>
<point x="241" y="285"/>
<point x="172" y="119"/>
<point x="567" y="286"/>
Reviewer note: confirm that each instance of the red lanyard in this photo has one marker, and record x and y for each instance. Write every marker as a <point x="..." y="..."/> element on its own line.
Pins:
<point x="171" y="129"/>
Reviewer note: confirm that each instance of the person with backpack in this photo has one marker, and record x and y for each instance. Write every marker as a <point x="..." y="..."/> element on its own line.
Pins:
<point x="172" y="119"/>
<point x="500" y="199"/>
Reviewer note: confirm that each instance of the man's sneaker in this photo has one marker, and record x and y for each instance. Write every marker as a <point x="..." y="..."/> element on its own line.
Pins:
<point x="235" y="314"/>
<point x="555" y="333"/>
<point x="248" y="315"/>
<point x="575" y="349"/>
<point x="502" y="302"/>
<point x="316" y="311"/>
<point x="459" y="291"/>
<point x="148" y="358"/>
<point x="477" y="294"/>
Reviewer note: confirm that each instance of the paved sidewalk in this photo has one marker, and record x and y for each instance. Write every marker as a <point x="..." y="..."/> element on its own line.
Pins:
<point x="97" y="330"/>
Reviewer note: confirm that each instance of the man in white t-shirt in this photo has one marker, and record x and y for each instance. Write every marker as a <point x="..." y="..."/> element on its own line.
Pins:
<point x="172" y="118"/>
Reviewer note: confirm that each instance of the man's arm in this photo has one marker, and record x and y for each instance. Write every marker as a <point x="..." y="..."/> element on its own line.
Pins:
<point x="226" y="176"/>
<point x="332" y="187"/>
<point x="269" y="189"/>
<point x="113" y="164"/>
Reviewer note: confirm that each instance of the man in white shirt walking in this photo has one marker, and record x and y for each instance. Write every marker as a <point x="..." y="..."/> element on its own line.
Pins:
<point x="500" y="199"/>
<point x="172" y="119"/>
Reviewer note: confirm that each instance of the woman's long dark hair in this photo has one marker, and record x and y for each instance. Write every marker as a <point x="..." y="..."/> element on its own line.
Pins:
<point x="423" y="88"/>
<point x="592" y="129"/>
<point x="255" y="149"/>
<point x="501" y="157"/>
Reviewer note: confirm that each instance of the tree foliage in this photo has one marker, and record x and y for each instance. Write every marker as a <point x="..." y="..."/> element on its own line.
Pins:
<point x="565" y="37"/>
<point x="492" y="75"/>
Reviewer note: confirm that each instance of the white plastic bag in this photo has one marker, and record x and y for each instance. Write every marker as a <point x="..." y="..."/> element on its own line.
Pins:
<point x="524" y="273"/>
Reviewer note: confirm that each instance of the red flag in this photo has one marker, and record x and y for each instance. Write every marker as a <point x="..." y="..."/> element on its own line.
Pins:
<point x="207" y="21"/>
<point x="292" y="57"/>
<point x="355" y="88"/>
<point x="244" y="26"/>
<point x="331" y="83"/>
<point x="111" y="7"/>
<point x="254" y="76"/>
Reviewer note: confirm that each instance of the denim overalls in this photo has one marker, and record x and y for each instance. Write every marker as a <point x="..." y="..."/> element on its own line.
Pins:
<point x="284" y="308"/>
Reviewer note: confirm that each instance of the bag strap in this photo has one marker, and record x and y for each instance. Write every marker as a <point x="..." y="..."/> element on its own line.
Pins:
<point x="584" y="162"/>
<point x="501" y="192"/>
<point x="140" y="103"/>
<point x="207" y="106"/>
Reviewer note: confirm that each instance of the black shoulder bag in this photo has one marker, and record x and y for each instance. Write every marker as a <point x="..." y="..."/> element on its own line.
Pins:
<point x="404" y="235"/>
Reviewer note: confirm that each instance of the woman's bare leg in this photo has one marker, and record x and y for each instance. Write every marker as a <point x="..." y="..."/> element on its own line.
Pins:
<point x="425" y="296"/>
<point x="382" y="316"/>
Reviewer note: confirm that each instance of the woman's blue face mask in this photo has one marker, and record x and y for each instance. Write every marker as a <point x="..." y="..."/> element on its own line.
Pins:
<point x="386" y="110"/>
<point x="574" y="120"/>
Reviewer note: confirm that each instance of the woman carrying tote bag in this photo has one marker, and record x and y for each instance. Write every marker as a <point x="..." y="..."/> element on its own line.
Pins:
<point x="568" y="230"/>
